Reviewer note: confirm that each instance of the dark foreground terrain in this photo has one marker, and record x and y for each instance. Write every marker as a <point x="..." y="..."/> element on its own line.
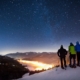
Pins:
<point x="11" y="69"/>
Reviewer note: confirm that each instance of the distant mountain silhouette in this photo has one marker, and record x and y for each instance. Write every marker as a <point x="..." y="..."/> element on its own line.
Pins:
<point x="45" y="57"/>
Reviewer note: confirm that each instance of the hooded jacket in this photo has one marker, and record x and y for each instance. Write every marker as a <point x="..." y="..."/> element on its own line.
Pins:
<point x="77" y="47"/>
<point x="72" y="49"/>
<point x="62" y="52"/>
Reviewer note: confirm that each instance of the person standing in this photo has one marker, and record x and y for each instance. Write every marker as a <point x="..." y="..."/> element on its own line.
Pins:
<point x="77" y="47"/>
<point x="72" y="53"/>
<point x="62" y="54"/>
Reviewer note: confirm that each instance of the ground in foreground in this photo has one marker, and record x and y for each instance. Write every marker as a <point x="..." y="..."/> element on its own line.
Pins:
<point x="55" y="74"/>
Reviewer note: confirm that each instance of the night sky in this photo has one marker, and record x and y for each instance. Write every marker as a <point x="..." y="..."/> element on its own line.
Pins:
<point x="38" y="25"/>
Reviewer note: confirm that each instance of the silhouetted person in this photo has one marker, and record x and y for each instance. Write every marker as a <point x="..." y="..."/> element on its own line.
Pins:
<point x="72" y="53"/>
<point x="77" y="47"/>
<point x="62" y="54"/>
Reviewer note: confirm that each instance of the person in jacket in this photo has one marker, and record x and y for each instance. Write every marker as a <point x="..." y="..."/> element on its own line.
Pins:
<point x="77" y="47"/>
<point x="62" y="54"/>
<point x="72" y="53"/>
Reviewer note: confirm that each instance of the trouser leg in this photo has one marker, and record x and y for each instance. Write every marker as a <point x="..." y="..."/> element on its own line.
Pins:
<point x="65" y="62"/>
<point x="77" y="58"/>
<point x="74" y="62"/>
<point x="61" y="59"/>
<point x="70" y="59"/>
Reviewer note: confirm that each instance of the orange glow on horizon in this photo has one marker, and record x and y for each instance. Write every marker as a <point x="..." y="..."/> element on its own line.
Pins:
<point x="39" y="65"/>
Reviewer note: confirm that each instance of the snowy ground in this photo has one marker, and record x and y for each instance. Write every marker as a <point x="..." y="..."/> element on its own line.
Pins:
<point x="69" y="74"/>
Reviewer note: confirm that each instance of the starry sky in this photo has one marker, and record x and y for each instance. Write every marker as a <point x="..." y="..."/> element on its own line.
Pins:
<point x="38" y="25"/>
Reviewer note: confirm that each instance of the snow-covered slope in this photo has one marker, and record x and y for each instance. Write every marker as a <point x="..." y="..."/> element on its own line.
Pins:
<point x="68" y="74"/>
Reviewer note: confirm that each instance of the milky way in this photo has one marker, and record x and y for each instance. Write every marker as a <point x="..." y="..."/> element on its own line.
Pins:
<point x="38" y="25"/>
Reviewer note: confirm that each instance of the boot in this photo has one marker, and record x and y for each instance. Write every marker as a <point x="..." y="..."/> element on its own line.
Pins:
<point x="65" y="65"/>
<point x="74" y="66"/>
<point x="62" y="67"/>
